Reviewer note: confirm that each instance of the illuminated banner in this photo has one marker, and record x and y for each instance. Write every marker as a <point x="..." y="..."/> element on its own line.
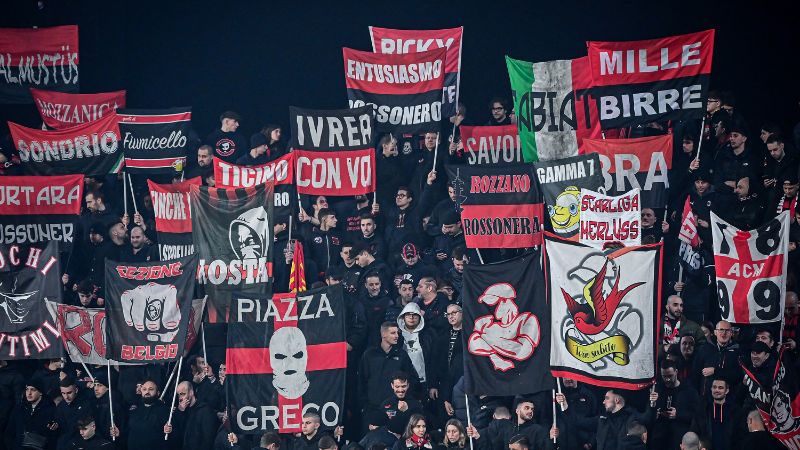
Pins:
<point x="92" y="148"/>
<point x="605" y="311"/>
<point x="44" y="58"/>
<point x="405" y="91"/>
<point x="638" y="82"/>
<point x="389" y="41"/>
<point x="60" y="110"/>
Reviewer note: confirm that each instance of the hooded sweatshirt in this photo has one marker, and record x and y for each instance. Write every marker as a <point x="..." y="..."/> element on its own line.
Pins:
<point x="416" y="342"/>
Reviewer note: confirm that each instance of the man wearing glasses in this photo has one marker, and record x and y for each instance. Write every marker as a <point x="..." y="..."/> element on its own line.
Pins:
<point x="720" y="360"/>
<point x="500" y="115"/>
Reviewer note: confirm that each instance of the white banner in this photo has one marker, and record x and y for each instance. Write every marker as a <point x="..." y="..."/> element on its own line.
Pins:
<point x="606" y="218"/>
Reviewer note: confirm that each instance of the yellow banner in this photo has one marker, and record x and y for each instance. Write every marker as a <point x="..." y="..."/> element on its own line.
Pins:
<point x="616" y="346"/>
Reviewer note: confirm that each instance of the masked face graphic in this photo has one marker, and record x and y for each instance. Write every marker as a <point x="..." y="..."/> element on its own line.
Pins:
<point x="250" y="234"/>
<point x="16" y="305"/>
<point x="288" y="357"/>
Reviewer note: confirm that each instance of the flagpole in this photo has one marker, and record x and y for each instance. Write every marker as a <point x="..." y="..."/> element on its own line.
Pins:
<point x="110" y="402"/>
<point x="554" y="413"/>
<point x="469" y="420"/>
<point x="480" y="258"/>
<point x="435" y="152"/>
<point x="169" y="380"/>
<point x="290" y="230"/>
<point x="700" y="140"/>
<point x="174" y="394"/>
<point x="125" y="191"/>
<point x="133" y="195"/>
<point x="87" y="370"/>
<point x="680" y="277"/>
<point x="203" y="336"/>
<point x="558" y="385"/>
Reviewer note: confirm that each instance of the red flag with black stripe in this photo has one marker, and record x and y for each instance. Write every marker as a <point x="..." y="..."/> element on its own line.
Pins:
<point x="286" y="355"/>
<point x="501" y="206"/>
<point x="61" y="110"/>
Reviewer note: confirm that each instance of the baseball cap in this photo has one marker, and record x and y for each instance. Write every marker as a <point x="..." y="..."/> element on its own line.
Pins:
<point x="257" y="140"/>
<point x="409" y="251"/>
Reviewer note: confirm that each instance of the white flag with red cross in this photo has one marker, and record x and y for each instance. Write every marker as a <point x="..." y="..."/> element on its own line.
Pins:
<point x="751" y="269"/>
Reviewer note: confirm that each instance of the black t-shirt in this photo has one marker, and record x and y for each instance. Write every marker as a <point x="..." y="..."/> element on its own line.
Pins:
<point x="228" y="146"/>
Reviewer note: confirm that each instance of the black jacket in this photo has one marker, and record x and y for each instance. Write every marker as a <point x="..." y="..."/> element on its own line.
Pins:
<point x="725" y="362"/>
<point x="613" y="428"/>
<point x="146" y="426"/>
<point x="376" y="369"/>
<point x="538" y="435"/>
<point x="667" y="433"/>
<point x="196" y="426"/>
<point x="726" y="424"/>
<point x="24" y="419"/>
<point x="67" y="416"/>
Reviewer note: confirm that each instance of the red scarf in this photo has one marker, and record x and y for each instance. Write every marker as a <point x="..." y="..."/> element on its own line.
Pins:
<point x="419" y="442"/>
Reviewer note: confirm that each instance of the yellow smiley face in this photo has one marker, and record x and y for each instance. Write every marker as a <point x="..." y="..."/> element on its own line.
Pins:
<point x="565" y="214"/>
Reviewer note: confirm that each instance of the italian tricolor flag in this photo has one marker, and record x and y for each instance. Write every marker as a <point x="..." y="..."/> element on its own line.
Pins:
<point x="553" y="109"/>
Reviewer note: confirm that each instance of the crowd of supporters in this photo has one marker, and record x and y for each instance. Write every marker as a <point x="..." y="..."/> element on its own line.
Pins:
<point x="400" y="256"/>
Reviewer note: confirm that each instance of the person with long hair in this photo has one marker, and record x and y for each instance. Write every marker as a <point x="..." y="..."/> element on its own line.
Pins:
<point x="275" y="145"/>
<point x="416" y="435"/>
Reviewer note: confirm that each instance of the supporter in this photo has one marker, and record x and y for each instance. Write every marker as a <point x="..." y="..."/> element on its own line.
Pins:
<point x="674" y="324"/>
<point x="635" y="438"/>
<point x="138" y="250"/>
<point x="767" y="130"/>
<point x="351" y="272"/>
<point x="676" y="406"/>
<point x="452" y="236"/>
<point x="758" y="436"/>
<point x="146" y="419"/>
<point x="205" y="385"/>
<point x="651" y="231"/>
<point x="391" y="169"/>
<point x="433" y="304"/>
<point x="97" y="212"/>
<point x="721" y="418"/>
<point x="269" y="440"/>
<point x="500" y="112"/>
<point x="327" y="443"/>
<point x="376" y="301"/>
<point x="377" y="366"/>
<point x="613" y="426"/>
<point x="350" y="210"/>
<point x="102" y="409"/>
<point x="370" y="238"/>
<point x="456" y="438"/>
<point x="228" y="144"/>
<point x="205" y="163"/>
<point x="702" y="199"/>
<point x="325" y="242"/>
<point x="403" y="220"/>
<point x="258" y="152"/>
<point x="49" y="375"/>
<point x="523" y="424"/>
<point x="405" y="295"/>
<point x="32" y="422"/>
<point x="194" y="422"/>
<point x="787" y="201"/>
<point x="448" y="360"/>
<point x="309" y="436"/>
<point x="416" y="435"/>
<point x="402" y="404"/>
<point x="417" y="342"/>
<point x="735" y="160"/>
<point x="434" y="227"/>
<point x="378" y="430"/>
<point x="89" y="439"/>
<point x="74" y="405"/>
<point x="456" y="273"/>
<point x="719" y="360"/>
<point x="276" y="147"/>
<point x="317" y="204"/>
<point x="422" y="172"/>
<point x="778" y="166"/>
<point x="370" y="265"/>
<point x="748" y="212"/>
<point x="412" y="268"/>
<point x="582" y="405"/>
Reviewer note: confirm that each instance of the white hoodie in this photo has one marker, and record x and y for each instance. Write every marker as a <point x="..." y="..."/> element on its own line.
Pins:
<point x="411" y="339"/>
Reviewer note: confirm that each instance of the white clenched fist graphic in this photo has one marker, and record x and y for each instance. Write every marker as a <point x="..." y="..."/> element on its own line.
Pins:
<point x="154" y="307"/>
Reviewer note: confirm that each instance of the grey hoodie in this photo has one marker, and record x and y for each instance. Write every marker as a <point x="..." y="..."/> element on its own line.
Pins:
<point x="412" y="339"/>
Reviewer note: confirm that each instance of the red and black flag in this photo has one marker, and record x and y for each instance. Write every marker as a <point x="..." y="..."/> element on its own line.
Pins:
<point x="60" y="110"/>
<point x="155" y="140"/>
<point x="642" y="163"/>
<point x="404" y="90"/>
<point x="233" y="236"/>
<point x="506" y="327"/>
<point x="491" y="145"/>
<point x="286" y="355"/>
<point x="40" y="209"/>
<point x="44" y="58"/>
<point x="394" y="42"/>
<point x="91" y="148"/>
<point x="30" y="275"/>
<point x="638" y="82"/>
<point x="333" y="151"/>
<point x="501" y="207"/>
<point x="173" y="217"/>
<point x="148" y="306"/>
<point x="279" y="171"/>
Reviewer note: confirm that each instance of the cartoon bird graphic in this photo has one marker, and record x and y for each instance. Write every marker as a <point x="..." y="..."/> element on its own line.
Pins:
<point x="594" y="316"/>
<point x="565" y="214"/>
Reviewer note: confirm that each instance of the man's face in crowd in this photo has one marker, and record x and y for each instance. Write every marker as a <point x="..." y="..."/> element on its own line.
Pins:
<point x="758" y="358"/>
<point x="790" y="190"/>
<point x="400" y="388"/>
<point x="69" y="393"/>
<point x="204" y="157"/>
<point x="701" y="186"/>
<point x="119" y="231"/>
<point x="346" y="255"/>
<point x="367" y="227"/>
<point x="737" y="139"/>
<point x="423" y="288"/>
<point x="362" y="259"/>
<point x="85" y="299"/>
<point x="791" y="308"/>
<point x="185" y="393"/>
<point x="712" y="105"/>
<point x="330" y="221"/>
<point x="765" y="337"/>
<point x="648" y="217"/>
<point x="775" y="150"/>
<point x="687" y="145"/>
<point x="454" y="315"/>
<point x="610" y="402"/>
<point x="570" y="383"/>
<point x="430" y="141"/>
<point x="148" y="390"/>
<point x="390" y="336"/>
<point x="95" y="238"/>
<point x="525" y="411"/>
<point x="92" y="203"/>
<point x="321" y="202"/>
<point x="675" y="307"/>
<point x="687" y="346"/>
<point x="32" y="395"/>
<point x="100" y="390"/>
<point x="719" y="390"/>
<point x="411" y="261"/>
<point x="411" y="320"/>
<point x="402" y="199"/>
<point x="451" y="192"/>
<point x="498" y="111"/>
<point x="459" y="263"/>
<point x="87" y="432"/>
<point x="230" y="124"/>
<point x="742" y="188"/>
<point x="451" y="229"/>
<point x="670" y="377"/>
<point x="137" y="238"/>
<point x="406" y="292"/>
<point x="723" y="332"/>
<point x="390" y="149"/>
<point x="199" y="365"/>
<point x="373" y="285"/>
<point x="309" y="426"/>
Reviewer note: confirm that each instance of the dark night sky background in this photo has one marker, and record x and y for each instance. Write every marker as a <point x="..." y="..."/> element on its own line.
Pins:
<point x="259" y="57"/>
